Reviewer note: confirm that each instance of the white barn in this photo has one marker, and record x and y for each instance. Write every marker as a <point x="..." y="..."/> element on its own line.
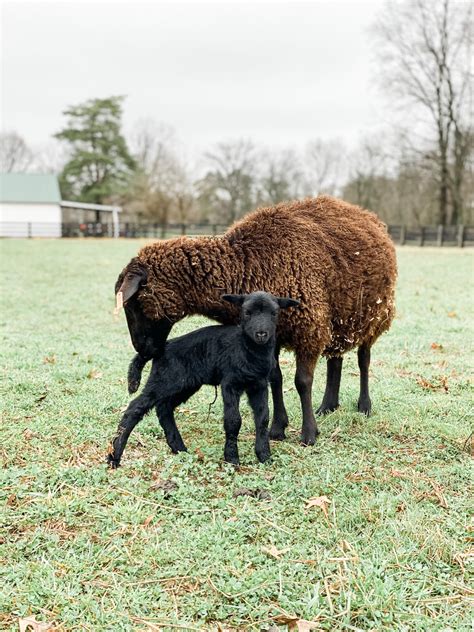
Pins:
<point x="31" y="206"/>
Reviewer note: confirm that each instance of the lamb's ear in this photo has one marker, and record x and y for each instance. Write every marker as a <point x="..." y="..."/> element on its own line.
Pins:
<point x="287" y="302"/>
<point x="235" y="299"/>
<point x="131" y="283"/>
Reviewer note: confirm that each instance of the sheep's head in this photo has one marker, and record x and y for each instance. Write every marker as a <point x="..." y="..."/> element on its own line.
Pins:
<point x="147" y="320"/>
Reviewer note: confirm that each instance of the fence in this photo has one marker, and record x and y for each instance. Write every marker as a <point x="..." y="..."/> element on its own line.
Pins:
<point x="421" y="236"/>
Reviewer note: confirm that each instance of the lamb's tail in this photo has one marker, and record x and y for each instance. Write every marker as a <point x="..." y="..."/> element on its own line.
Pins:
<point x="135" y="372"/>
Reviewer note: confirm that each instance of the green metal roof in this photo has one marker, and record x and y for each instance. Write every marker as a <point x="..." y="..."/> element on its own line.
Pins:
<point x="29" y="187"/>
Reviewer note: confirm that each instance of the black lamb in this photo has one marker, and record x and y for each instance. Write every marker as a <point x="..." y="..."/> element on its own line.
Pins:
<point x="239" y="358"/>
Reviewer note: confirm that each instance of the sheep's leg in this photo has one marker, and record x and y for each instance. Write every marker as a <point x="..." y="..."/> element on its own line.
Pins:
<point x="280" y="417"/>
<point x="134" y="413"/>
<point x="333" y="381"/>
<point x="304" y="383"/>
<point x="232" y="423"/>
<point x="258" y="400"/>
<point x="364" y="404"/>
<point x="165" y="414"/>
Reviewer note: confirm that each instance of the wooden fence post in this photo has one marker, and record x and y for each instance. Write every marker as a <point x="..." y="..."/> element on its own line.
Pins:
<point x="422" y="235"/>
<point x="461" y="236"/>
<point x="439" y="240"/>
<point x="30" y="232"/>
<point x="183" y="229"/>
<point x="402" y="234"/>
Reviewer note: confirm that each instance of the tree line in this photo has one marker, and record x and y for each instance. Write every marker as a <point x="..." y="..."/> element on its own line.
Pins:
<point x="417" y="171"/>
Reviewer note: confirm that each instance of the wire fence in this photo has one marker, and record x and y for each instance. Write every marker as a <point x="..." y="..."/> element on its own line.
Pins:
<point x="459" y="236"/>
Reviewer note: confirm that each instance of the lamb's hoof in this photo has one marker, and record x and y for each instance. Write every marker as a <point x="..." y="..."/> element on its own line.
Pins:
<point x="277" y="434"/>
<point x="112" y="461"/>
<point x="232" y="461"/>
<point x="364" y="406"/>
<point x="308" y="436"/>
<point x="178" y="449"/>
<point x="133" y="386"/>
<point x="263" y="455"/>
<point x="326" y="409"/>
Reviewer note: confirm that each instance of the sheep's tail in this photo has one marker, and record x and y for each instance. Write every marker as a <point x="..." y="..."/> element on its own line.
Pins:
<point x="135" y="372"/>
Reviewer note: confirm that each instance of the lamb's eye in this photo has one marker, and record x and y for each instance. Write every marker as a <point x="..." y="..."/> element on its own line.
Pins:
<point x="247" y="313"/>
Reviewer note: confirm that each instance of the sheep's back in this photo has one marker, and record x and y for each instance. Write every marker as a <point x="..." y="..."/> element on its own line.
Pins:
<point x="336" y="257"/>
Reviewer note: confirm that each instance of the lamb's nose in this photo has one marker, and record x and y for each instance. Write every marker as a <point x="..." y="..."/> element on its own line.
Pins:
<point x="261" y="336"/>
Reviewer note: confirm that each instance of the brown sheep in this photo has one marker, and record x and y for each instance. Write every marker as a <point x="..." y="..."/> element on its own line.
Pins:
<point x="336" y="258"/>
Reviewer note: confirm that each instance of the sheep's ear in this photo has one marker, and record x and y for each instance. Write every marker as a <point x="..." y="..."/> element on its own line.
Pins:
<point x="131" y="283"/>
<point x="287" y="302"/>
<point x="235" y="299"/>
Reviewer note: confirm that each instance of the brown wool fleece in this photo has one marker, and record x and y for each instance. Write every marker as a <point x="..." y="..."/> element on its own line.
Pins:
<point x="336" y="258"/>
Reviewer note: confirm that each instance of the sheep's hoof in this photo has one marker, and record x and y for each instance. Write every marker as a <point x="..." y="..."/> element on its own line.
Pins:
<point x="277" y="434"/>
<point x="112" y="461"/>
<point x="325" y="409"/>
<point x="364" y="406"/>
<point x="308" y="436"/>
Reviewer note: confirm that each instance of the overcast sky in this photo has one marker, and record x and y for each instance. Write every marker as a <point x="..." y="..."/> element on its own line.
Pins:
<point x="279" y="73"/>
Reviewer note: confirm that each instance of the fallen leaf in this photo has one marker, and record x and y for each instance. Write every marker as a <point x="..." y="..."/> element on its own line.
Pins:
<point x="41" y="397"/>
<point x="302" y="625"/>
<point x="439" y="494"/>
<point x="199" y="454"/>
<point x="147" y="520"/>
<point x="396" y="473"/>
<point x="294" y="623"/>
<point x="322" y="502"/>
<point x="31" y="623"/>
<point x="452" y="314"/>
<point x="94" y="374"/>
<point x="427" y="385"/>
<point x="274" y="552"/>
<point x="49" y="359"/>
<point x="259" y="494"/>
<point x="166" y="486"/>
<point x="435" y="345"/>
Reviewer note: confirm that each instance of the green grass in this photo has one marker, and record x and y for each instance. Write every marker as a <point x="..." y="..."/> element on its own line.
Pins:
<point x="90" y="549"/>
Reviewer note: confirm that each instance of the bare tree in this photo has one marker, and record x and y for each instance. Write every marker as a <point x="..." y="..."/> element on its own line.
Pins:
<point x="227" y="189"/>
<point x="324" y="166"/>
<point x="368" y="175"/>
<point x="50" y="157"/>
<point x="280" y="177"/>
<point x="424" y="49"/>
<point x="15" y="155"/>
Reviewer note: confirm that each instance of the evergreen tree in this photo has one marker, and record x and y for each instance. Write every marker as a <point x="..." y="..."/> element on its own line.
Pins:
<point x="100" y="163"/>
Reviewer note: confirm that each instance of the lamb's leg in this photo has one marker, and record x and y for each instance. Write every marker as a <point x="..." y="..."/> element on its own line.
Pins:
<point x="304" y="383"/>
<point x="232" y="423"/>
<point x="333" y="381"/>
<point x="135" y="372"/>
<point x="280" y="417"/>
<point x="364" y="404"/>
<point x="134" y="413"/>
<point x="165" y="414"/>
<point x="258" y="400"/>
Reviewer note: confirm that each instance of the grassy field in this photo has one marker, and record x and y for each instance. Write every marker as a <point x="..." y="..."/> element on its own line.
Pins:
<point x="166" y="542"/>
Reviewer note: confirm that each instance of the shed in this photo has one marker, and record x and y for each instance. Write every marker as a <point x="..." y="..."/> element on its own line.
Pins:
<point x="30" y="205"/>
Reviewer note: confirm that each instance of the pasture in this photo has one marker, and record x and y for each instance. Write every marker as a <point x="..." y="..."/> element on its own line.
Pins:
<point x="185" y="542"/>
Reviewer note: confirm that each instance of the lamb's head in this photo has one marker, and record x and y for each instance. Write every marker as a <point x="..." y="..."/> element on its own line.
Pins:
<point x="259" y="314"/>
